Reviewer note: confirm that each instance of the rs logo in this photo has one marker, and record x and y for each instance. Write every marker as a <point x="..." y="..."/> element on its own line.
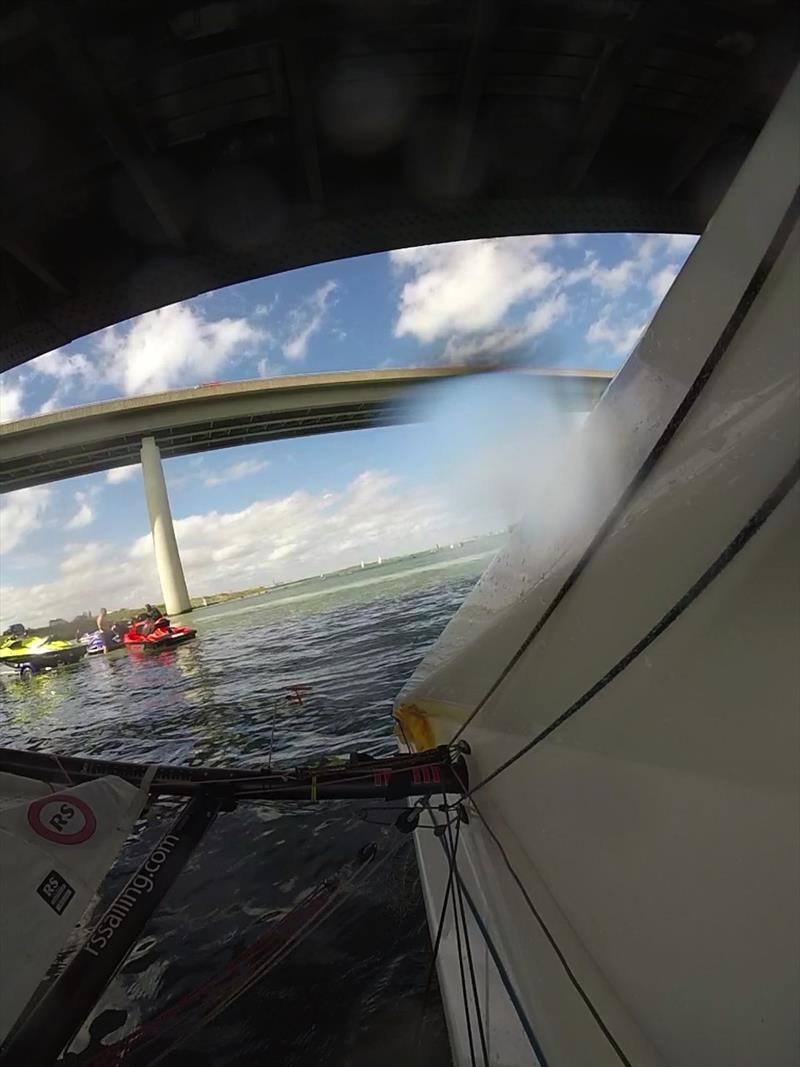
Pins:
<point x="65" y="819"/>
<point x="61" y="819"/>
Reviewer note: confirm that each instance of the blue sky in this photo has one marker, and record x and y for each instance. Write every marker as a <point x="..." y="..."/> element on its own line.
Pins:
<point x="271" y="512"/>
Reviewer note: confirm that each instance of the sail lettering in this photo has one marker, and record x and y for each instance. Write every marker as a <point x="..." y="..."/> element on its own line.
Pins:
<point x="141" y="883"/>
<point x="62" y="817"/>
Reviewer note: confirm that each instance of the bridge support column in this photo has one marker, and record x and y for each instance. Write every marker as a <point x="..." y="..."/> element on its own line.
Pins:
<point x="168" y="561"/>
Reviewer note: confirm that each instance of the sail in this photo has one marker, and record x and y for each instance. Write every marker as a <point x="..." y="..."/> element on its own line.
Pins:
<point x="628" y="684"/>
<point x="56" y="846"/>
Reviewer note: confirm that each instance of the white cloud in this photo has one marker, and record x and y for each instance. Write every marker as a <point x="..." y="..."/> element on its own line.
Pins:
<point x="649" y="246"/>
<point x="56" y="402"/>
<point x="175" y="345"/>
<point x="306" y="533"/>
<point x="11" y="407"/>
<point x="660" y="283"/>
<point x="21" y="513"/>
<point x="122" y="474"/>
<point x="611" y="280"/>
<point x="615" y="279"/>
<point x="267" y="369"/>
<point x="270" y="540"/>
<point x="680" y="242"/>
<point x="468" y="286"/>
<point x="90" y="575"/>
<point x="546" y="314"/>
<point x="637" y="271"/>
<point x="619" y="335"/>
<point x="243" y="469"/>
<point x="494" y="343"/>
<point x="62" y="365"/>
<point x="305" y="320"/>
<point x="83" y="516"/>
<point x="73" y="372"/>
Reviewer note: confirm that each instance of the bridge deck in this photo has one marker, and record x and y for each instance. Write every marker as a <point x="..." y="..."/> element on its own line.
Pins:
<point x="97" y="437"/>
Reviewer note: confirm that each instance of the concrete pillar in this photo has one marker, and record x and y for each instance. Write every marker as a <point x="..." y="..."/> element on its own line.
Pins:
<point x="170" y="569"/>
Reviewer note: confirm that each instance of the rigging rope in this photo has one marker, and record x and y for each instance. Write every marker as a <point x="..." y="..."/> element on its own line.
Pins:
<point x="496" y="958"/>
<point x="729" y="331"/>
<point x="552" y="941"/>
<point x="462" y="939"/>
<point x="435" y="953"/>
<point x="460" y="899"/>
<point x="456" y="923"/>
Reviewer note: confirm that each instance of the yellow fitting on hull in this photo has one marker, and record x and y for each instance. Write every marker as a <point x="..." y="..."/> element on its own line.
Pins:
<point x="427" y="724"/>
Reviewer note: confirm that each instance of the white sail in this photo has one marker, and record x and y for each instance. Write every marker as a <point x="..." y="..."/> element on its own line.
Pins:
<point x="655" y="832"/>
<point x="56" y="846"/>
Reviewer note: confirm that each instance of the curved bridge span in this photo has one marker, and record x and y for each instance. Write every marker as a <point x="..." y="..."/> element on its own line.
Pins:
<point x="117" y="433"/>
<point x="97" y="437"/>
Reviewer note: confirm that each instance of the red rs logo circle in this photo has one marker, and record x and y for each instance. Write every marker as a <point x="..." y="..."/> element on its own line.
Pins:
<point x="62" y="818"/>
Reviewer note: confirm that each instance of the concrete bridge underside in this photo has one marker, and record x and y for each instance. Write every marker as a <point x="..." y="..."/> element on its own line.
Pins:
<point x="116" y="433"/>
<point x="98" y="437"/>
<point x="164" y="149"/>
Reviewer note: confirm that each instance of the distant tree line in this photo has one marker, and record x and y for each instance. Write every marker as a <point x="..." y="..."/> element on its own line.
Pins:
<point x="86" y="622"/>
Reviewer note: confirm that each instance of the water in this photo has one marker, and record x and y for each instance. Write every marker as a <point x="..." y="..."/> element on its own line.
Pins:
<point x="351" y="995"/>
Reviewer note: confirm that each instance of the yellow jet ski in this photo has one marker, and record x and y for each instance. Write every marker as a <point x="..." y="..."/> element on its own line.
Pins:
<point x="33" y="654"/>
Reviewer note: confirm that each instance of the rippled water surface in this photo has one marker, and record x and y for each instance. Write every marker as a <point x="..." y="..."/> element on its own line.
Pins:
<point x="352" y="993"/>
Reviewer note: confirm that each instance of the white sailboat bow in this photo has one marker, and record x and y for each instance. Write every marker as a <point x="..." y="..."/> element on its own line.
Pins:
<point x="56" y="847"/>
<point x="629" y="687"/>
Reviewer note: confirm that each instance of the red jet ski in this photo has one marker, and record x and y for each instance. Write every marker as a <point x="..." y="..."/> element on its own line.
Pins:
<point x="156" y="633"/>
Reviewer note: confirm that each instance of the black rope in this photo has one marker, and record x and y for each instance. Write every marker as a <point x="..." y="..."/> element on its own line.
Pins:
<point x="453" y="849"/>
<point x="728" y="333"/>
<point x="399" y="722"/>
<point x="505" y="978"/>
<point x="553" y="943"/>
<point x="750" y="528"/>
<point x="435" y="954"/>
<point x="272" y="735"/>
<point x="473" y="979"/>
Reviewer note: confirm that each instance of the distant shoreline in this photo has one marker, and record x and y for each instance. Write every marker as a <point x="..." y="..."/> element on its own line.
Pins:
<point x="86" y="623"/>
<point x="357" y="568"/>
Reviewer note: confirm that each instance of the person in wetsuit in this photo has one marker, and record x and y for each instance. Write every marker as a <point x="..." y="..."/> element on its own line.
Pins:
<point x="151" y="617"/>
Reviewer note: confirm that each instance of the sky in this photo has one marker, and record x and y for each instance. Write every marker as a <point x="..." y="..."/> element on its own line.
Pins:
<point x="272" y="512"/>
